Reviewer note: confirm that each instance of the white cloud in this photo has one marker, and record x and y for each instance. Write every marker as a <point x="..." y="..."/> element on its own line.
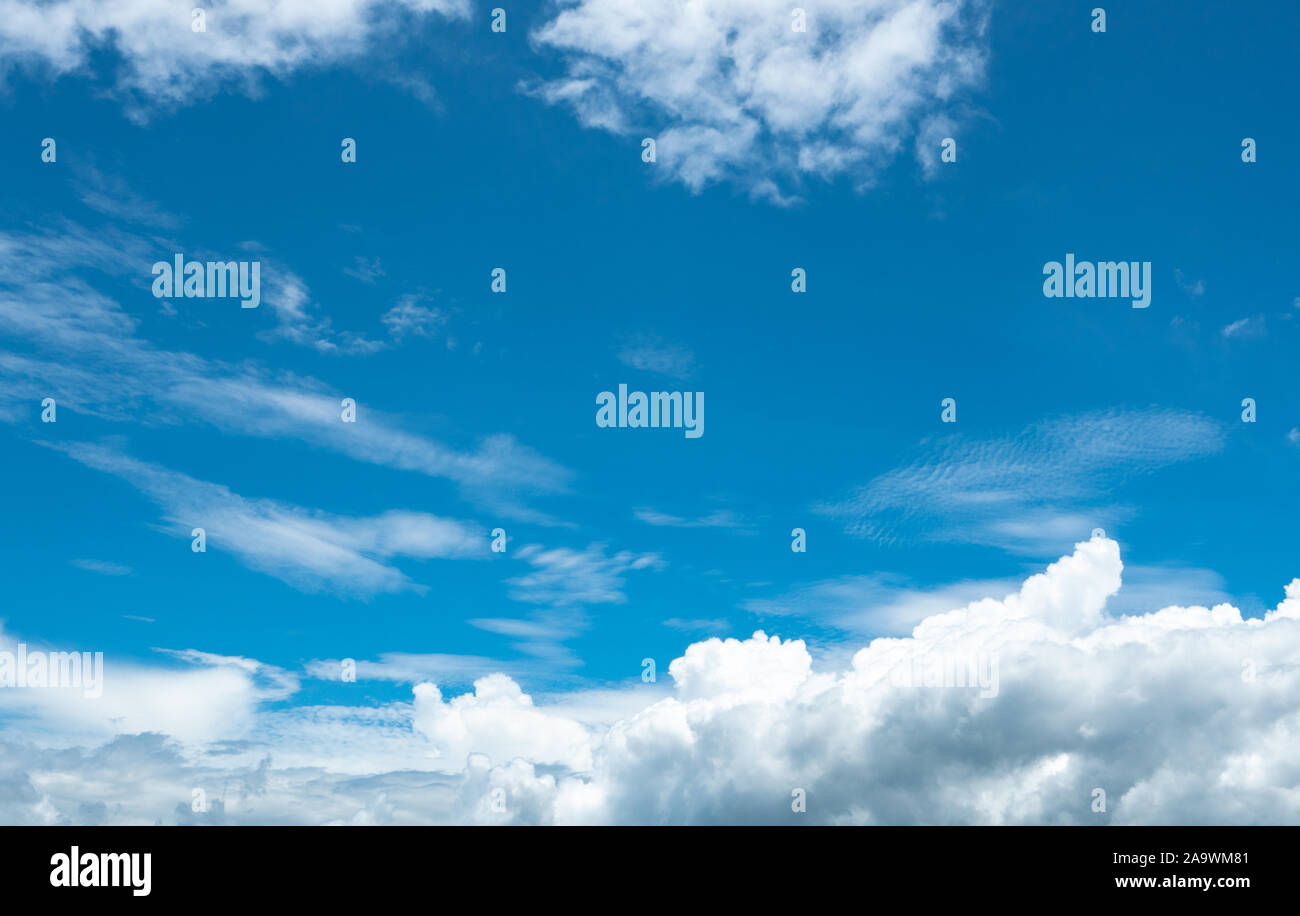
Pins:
<point x="310" y="550"/>
<point x="212" y="698"/>
<point x="499" y="720"/>
<point x="651" y="354"/>
<point x="286" y="296"/>
<point x="1182" y="715"/>
<point x="366" y="270"/>
<point x="561" y="583"/>
<point x="1154" y="709"/>
<point x="81" y="347"/>
<point x="411" y="667"/>
<point x="110" y="195"/>
<point x="104" y="567"/>
<point x="720" y="518"/>
<point x="699" y="625"/>
<point x="731" y="92"/>
<point x="563" y="577"/>
<point x="160" y="60"/>
<point x="542" y="635"/>
<point x="1031" y="493"/>
<point x="409" y="318"/>
<point x="1246" y="327"/>
<point x="876" y="605"/>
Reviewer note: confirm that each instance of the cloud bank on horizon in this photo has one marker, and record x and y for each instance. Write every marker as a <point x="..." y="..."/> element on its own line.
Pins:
<point x="1179" y="715"/>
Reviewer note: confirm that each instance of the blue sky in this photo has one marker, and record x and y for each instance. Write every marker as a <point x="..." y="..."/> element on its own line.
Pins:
<point x="476" y="410"/>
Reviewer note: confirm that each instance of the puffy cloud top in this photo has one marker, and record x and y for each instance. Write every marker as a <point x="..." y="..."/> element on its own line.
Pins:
<point x="1007" y="710"/>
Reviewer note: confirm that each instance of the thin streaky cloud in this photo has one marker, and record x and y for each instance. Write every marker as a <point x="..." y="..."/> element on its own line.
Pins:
<point x="309" y="550"/>
<point x="722" y="518"/>
<point x="104" y="567"/>
<point x="78" y="345"/>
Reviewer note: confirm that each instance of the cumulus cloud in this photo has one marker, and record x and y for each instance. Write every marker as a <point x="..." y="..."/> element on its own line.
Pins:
<point x="731" y="91"/>
<point x="500" y="721"/>
<point x="1180" y="715"/>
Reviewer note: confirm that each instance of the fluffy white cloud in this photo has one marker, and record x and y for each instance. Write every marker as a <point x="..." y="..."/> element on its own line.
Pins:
<point x="500" y="721"/>
<point x="1181" y="715"/>
<point x="731" y="90"/>
<point x="212" y="698"/>
<point x="163" y="60"/>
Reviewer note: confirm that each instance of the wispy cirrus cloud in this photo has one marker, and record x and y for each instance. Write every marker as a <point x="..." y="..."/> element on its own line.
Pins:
<point x="1243" y="328"/>
<point x="103" y="567"/>
<point x="561" y="584"/>
<point x="877" y="604"/>
<point x="110" y="195"/>
<point x="410" y="318"/>
<point x="649" y="353"/>
<point x="721" y="518"/>
<point x="564" y="577"/>
<point x="709" y="625"/>
<point x="365" y="270"/>
<point x="414" y="667"/>
<point x="62" y="337"/>
<point x="541" y="635"/>
<point x="310" y="550"/>
<point x="1027" y="492"/>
